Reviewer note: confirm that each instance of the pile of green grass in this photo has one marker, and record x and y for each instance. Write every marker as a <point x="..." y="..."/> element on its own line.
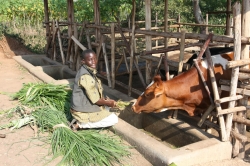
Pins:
<point x="50" y="111"/>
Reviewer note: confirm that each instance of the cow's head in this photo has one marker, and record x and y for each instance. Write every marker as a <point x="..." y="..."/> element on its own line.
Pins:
<point x="152" y="99"/>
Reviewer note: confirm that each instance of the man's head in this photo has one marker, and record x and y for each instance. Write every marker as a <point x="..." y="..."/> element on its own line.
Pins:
<point x="89" y="58"/>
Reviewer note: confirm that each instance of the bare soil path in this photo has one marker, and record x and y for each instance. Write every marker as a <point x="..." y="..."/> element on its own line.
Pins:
<point x="19" y="147"/>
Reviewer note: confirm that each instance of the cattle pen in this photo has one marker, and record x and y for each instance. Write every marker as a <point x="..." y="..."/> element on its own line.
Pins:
<point x="120" y="53"/>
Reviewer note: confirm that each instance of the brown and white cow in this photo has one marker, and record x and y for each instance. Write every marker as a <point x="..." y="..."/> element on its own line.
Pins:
<point x="185" y="91"/>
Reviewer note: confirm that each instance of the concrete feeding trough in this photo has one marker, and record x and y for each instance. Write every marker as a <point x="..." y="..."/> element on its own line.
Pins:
<point x="161" y="141"/>
<point x="46" y="69"/>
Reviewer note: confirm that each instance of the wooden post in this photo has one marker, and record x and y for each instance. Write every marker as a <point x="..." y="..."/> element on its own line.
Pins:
<point x="132" y="50"/>
<point x="77" y="60"/>
<point x="156" y="21"/>
<point x="148" y="39"/>
<point x="182" y="47"/>
<point x="76" y="48"/>
<point x="52" y="29"/>
<point x="166" y="39"/>
<point x="228" y="20"/>
<point x="88" y="38"/>
<point x="70" y="51"/>
<point x="97" y="20"/>
<point x="179" y="27"/>
<point x="125" y="59"/>
<point x="113" y="54"/>
<point x="235" y="70"/>
<point x="106" y="64"/>
<point x="181" y="57"/>
<point x="206" y="23"/>
<point x="244" y="55"/>
<point x="60" y="42"/>
<point x="46" y="20"/>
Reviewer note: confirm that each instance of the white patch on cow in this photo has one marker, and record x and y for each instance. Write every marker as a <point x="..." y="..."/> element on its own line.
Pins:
<point x="134" y="103"/>
<point x="164" y="109"/>
<point x="217" y="59"/>
<point x="148" y="86"/>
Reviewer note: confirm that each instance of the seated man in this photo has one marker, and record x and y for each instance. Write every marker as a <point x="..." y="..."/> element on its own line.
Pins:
<point x="88" y="106"/>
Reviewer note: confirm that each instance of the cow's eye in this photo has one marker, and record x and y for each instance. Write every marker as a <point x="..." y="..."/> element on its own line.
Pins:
<point x="146" y="95"/>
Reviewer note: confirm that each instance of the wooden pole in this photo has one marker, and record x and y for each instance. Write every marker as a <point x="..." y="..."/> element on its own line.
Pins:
<point x="87" y="36"/>
<point x="60" y="43"/>
<point x="228" y="20"/>
<point x="156" y="21"/>
<point x="206" y="23"/>
<point x="97" y="20"/>
<point x="148" y="41"/>
<point x="112" y="26"/>
<point x="53" y="52"/>
<point x="244" y="55"/>
<point x="76" y="48"/>
<point x="70" y="51"/>
<point x="235" y="71"/>
<point x="46" y="20"/>
<point x="132" y="51"/>
<point x="216" y="38"/>
<point x="181" y="57"/>
<point x="106" y="64"/>
<point x="78" y="43"/>
<point x="179" y="27"/>
<point x="166" y="39"/>
<point x="125" y="59"/>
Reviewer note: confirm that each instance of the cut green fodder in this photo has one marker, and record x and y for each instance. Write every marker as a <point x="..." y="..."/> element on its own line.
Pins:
<point x="86" y="147"/>
<point x="57" y="97"/>
<point x="50" y="105"/>
<point x="121" y="105"/>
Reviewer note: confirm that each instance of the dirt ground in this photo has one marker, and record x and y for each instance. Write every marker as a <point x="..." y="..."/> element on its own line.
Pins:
<point x="19" y="147"/>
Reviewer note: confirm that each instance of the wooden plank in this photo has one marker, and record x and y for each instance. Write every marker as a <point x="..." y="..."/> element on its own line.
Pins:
<point x="122" y="85"/>
<point x="78" y="43"/>
<point x="240" y="119"/>
<point x="226" y="99"/>
<point x="231" y="110"/>
<point x="198" y="36"/>
<point x="237" y="63"/>
<point x="238" y="136"/>
<point x="205" y="115"/>
<point x="238" y="90"/>
<point x="170" y="62"/>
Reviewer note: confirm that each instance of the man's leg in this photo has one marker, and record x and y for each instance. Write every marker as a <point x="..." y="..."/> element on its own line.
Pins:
<point x="106" y="122"/>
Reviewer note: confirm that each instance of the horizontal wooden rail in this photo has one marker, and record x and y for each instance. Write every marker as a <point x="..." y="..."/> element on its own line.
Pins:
<point x="226" y="99"/>
<point x="204" y="25"/>
<point x="231" y="110"/>
<point x="217" y="38"/>
<point x="237" y="63"/>
<point x="239" y="90"/>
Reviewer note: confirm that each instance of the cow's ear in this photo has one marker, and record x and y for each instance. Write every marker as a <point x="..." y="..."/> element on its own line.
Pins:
<point x="157" y="78"/>
<point x="159" y="90"/>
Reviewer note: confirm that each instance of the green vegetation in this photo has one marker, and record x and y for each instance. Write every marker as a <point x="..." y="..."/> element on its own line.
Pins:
<point x="46" y="106"/>
<point x="24" y="19"/>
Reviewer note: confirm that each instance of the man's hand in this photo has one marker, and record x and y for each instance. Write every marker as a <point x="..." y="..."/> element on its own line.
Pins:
<point x="108" y="102"/>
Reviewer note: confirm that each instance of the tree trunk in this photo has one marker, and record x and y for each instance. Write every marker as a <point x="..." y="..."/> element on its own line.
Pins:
<point x="198" y="16"/>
